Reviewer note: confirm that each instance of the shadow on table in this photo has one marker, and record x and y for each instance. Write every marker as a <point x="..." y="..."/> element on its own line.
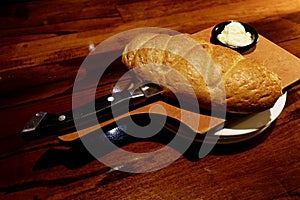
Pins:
<point x="76" y="154"/>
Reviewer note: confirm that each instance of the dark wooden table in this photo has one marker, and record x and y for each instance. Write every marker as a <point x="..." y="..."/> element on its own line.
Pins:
<point x="43" y="44"/>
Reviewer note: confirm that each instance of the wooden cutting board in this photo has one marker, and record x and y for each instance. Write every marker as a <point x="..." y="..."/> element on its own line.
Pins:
<point x="266" y="53"/>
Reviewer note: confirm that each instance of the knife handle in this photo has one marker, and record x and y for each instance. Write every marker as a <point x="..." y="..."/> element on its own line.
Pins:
<point x="43" y="124"/>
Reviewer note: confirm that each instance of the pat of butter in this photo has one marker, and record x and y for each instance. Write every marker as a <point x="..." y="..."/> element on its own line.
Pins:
<point x="234" y="34"/>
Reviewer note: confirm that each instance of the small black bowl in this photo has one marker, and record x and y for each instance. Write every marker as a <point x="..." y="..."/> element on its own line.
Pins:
<point x="241" y="49"/>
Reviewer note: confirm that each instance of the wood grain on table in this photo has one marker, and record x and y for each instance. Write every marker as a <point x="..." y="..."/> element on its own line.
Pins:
<point x="43" y="44"/>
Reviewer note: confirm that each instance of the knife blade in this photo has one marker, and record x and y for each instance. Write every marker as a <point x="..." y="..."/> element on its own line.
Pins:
<point x="43" y="124"/>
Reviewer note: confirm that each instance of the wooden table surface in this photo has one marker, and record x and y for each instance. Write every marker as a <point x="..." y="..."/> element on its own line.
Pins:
<point x="43" y="44"/>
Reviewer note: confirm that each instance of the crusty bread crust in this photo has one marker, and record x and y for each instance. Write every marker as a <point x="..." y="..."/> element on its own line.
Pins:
<point x="209" y="70"/>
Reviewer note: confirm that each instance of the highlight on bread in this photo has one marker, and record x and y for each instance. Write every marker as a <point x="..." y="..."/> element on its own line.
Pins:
<point x="209" y="69"/>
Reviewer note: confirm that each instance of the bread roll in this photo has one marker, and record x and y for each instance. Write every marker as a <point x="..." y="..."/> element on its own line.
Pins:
<point x="210" y="70"/>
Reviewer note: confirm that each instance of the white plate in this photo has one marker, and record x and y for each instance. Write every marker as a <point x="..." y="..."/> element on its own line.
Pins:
<point x="254" y="123"/>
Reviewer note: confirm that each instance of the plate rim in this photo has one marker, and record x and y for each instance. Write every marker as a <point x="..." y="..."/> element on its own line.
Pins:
<point x="275" y="111"/>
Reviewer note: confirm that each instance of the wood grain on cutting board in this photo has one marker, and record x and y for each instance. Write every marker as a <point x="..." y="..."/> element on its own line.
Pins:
<point x="266" y="53"/>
